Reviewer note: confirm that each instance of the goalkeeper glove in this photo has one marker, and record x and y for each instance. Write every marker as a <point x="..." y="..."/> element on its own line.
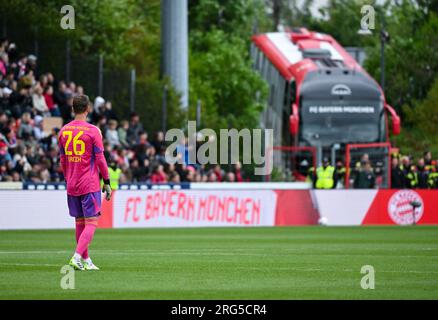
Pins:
<point x="107" y="189"/>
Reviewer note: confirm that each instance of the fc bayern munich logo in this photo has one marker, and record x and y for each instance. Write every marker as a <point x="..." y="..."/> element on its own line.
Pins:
<point x="400" y="207"/>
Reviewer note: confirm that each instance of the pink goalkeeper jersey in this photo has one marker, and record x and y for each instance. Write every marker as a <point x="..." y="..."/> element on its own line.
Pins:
<point x="82" y="159"/>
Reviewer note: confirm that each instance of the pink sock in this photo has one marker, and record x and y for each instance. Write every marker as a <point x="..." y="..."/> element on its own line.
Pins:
<point x="85" y="240"/>
<point x="80" y="226"/>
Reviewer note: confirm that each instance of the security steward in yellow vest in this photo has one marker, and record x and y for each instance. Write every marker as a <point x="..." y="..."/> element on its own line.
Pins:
<point x="114" y="175"/>
<point x="325" y="176"/>
<point x="412" y="177"/>
<point x="432" y="182"/>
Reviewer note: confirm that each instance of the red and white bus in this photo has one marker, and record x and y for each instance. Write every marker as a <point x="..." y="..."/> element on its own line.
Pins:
<point x="320" y="97"/>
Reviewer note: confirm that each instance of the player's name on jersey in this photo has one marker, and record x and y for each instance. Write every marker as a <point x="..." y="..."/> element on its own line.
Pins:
<point x="76" y="127"/>
<point x="74" y="159"/>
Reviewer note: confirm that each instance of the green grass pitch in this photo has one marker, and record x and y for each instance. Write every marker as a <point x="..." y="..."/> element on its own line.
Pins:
<point x="225" y="263"/>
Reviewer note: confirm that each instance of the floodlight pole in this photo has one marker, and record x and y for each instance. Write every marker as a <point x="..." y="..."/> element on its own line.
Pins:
<point x="174" y="45"/>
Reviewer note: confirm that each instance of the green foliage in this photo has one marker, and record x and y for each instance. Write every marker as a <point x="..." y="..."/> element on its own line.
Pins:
<point x="221" y="74"/>
<point x="423" y="119"/>
<point x="341" y="19"/>
<point x="151" y="111"/>
<point x="237" y="17"/>
<point x="113" y="27"/>
<point x="411" y="56"/>
<point x="223" y="79"/>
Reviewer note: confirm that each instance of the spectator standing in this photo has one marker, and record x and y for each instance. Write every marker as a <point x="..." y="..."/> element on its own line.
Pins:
<point x="108" y="111"/>
<point x="397" y="175"/>
<point x="4" y="62"/>
<point x="123" y="133"/>
<point x="135" y="128"/>
<point x="39" y="102"/>
<point x="31" y="63"/>
<point x="428" y="160"/>
<point x="99" y="102"/>
<point x="79" y="90"/>
<point x="71" y="88"/>
<point x="112" y="135"/>
<point x="60" y="96"/>
<point x="238" y="172"/>
<point x="218" y="172"/>
<point x="20" y="99"/>
<point x="25" y="130"/>
<point x="38" y="127"/>
<point x="64" y="102"/>
<point x="158" y="142"/>
<point x="48" y="97"/>
<point x="366" y="178"/>
<point x="3" y="121"/>
<point x="422" y="174"/>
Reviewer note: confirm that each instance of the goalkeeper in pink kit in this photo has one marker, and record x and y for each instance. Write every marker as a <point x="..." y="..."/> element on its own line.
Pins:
<point x="82" y="160"/>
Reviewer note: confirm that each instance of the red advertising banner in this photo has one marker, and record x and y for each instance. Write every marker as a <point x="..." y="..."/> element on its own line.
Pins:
<point x="187" y="208"/>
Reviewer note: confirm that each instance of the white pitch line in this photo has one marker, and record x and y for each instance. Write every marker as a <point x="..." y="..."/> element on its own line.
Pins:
<point x="33" y="252"/>
<point x="261" y="269"/>
<point x="30" y="264"/>
<point x="334" y="270"/>
<point x="207" y="252"/>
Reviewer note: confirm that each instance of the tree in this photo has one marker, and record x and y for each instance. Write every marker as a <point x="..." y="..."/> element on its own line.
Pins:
<point x="236" y="17"/>
<point x="290" y="13"/>
<point x="422" y="120"/>
<point x="341" y="19"/>
<point x="221" y="73"/>
<point x="411" y="55"/>
<point x="231" y="92"/>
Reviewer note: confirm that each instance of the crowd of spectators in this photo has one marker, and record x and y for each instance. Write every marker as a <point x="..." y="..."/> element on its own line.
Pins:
<point x="406" y="173"/>
<point x="28" y="153"/>
<point x="422" y="174"/>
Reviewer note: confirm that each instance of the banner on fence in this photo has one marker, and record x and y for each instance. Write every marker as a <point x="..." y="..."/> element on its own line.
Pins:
<point x="47" y="209"/>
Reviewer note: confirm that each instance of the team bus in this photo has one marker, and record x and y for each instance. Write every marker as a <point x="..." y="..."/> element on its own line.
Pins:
<point x="321" y="99"/>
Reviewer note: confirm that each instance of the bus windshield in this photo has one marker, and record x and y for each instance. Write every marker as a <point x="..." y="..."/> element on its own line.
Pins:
<point x="341" y="121"/>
